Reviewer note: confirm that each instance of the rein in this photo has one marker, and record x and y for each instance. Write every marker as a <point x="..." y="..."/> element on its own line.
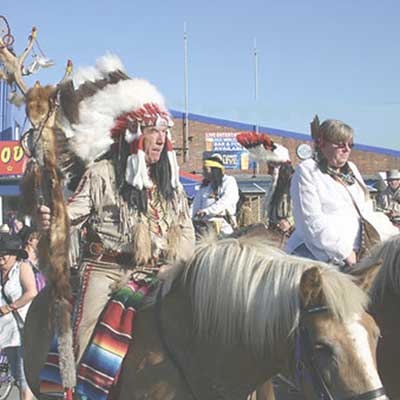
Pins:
<point x="307" y="369"/>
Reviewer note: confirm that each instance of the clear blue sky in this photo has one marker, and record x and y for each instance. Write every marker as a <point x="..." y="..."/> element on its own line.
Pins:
<point x="340" y="59"/>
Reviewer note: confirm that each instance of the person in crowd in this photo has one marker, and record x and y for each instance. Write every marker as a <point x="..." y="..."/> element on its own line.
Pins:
<point x="328" y="195"/>
<point x="280" y="215"/>
<point x="245" y="215"/>
<point x="129" y="201"/>
<point x="30" y="239"/>
<point x="18" y="288"/>
<point x="217" y="197"/>
<point x="14" y="222"/>
<point x="389" y="199"/>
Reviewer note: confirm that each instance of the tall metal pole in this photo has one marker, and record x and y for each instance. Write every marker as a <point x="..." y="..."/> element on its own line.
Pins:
<point x="186" y="78"/>
<point x="256" y="80"/>
<point x="256" y="169"/>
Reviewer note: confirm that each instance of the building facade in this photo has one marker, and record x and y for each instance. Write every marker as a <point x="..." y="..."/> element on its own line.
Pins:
<point x="370" y="160"/>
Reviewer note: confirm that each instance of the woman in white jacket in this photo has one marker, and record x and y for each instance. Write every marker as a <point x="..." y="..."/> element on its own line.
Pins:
<point x="217" y="197"/>
<point x="324" y="190"/>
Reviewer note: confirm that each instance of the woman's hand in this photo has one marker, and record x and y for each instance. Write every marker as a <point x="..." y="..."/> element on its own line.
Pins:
<point x="284" y="225"/>
<point x="5" y="309"/>
<point x="43" y="218"/>
<point x="200" y="214"/>
<point x="351" y="259"/>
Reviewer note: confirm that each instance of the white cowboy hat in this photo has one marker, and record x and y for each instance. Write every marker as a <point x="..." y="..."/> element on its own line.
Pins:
<point x="4" y="228"/>
<point x="392" y="174"/>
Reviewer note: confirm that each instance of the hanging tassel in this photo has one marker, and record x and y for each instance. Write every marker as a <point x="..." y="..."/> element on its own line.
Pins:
<point x="142" y="244"/>
<point x="173" y="242"/>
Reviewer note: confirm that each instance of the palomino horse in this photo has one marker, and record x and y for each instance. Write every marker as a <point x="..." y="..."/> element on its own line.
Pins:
<point x="239" y="314"/>
<point x="380" y="275"/>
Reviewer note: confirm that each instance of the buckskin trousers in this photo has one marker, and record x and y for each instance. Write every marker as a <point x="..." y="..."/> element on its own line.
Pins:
<point x="97" y="280"/>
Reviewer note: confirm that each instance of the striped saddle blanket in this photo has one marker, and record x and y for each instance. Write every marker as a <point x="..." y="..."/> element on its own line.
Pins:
<point x="101" y="363"/>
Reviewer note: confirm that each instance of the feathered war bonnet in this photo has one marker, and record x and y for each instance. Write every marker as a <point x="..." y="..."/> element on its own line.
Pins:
<point x="101" y="105"/>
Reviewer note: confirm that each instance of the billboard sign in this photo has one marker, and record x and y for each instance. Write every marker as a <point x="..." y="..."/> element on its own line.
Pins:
<point x="12" y="158"/>
<point x="234" y="155"/>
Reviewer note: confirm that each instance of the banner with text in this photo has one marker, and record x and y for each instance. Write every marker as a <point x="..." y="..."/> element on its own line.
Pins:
<point x="12" y="158"/>
<point x="233" y="154"/>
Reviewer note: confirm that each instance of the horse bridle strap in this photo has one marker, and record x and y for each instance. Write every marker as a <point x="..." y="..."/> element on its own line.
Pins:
<point x="372" y="394"/>
<point x="306" y="360"/>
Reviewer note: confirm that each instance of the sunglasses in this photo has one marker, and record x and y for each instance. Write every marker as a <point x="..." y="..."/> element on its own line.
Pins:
<point x="342" y="145"/>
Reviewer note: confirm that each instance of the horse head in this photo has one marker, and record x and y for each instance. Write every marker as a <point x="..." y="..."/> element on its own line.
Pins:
<point x="334" y="356"/>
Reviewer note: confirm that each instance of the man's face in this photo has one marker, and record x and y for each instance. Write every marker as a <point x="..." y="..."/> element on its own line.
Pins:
<point x="394" y="184"/>
<point x="153" y="143"/>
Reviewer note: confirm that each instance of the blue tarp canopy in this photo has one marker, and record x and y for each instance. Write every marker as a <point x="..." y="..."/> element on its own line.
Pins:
<point x="190" y="183"/>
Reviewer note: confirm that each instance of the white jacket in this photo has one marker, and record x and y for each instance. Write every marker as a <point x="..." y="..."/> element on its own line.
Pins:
<point x="228" y="197"/>
<point x="326" y="220"/>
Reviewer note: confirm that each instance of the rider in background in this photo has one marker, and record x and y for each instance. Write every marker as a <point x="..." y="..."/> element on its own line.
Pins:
<point x="389" y="199"/>
<point x="217" y="197"/>
<point x="280" y="214"/>
<point x="325" y="192"/>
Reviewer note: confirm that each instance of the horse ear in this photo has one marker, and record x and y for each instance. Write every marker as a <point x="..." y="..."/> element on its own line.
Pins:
<point x="311" y="293"/>
<point x="365" y="277"/>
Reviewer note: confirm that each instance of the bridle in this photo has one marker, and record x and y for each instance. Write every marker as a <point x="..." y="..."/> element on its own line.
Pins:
<point x="306" y="368"/>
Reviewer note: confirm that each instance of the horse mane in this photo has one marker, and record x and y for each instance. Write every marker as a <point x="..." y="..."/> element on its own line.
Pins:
<point x="246" y="292"/>
<point x="387" y="254"/>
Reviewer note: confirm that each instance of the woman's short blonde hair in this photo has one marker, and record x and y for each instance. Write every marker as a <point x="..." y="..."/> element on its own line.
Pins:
<point x="335" y="131"/>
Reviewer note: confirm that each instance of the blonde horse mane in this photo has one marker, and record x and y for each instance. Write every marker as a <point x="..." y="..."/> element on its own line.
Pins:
<point x="386" y="253"/>
<point x="246" y="292"/>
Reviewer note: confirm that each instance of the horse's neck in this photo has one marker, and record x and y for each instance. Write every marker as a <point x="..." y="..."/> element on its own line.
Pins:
<point x="212" y="367"/>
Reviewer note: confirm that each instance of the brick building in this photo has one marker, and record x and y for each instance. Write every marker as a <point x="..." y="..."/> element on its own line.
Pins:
<point x="370" y="160"/>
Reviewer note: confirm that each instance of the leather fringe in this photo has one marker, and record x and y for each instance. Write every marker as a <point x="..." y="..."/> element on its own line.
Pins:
<point x="142" y="244"/>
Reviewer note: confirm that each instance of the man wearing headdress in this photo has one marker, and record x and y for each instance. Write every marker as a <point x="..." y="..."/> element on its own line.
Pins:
<point x="217" y="197"/>
<point x="129" y="200"/>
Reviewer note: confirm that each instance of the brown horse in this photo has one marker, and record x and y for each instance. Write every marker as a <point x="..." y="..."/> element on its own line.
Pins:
<point x="241" y="313"/>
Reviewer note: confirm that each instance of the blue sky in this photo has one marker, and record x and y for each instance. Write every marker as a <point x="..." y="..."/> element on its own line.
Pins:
<point x="340" y="59"/>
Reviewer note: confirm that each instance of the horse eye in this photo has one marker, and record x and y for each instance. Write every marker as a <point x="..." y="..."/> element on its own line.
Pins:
<point x="323" y="349"/>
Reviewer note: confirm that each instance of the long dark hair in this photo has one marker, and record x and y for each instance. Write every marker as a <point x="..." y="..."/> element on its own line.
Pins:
<point x="282" y="185"/>
<point x="215" y="180"/>
<point x="160" y="173"/>
<point x="216" y="176"/>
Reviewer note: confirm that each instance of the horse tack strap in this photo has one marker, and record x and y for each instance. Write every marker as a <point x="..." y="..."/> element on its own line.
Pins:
<point x="305" y="366"/>
<point x="372" y="394"/>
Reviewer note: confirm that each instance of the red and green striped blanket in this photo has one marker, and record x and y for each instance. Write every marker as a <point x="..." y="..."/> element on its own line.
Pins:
<point x="100" y="366"/>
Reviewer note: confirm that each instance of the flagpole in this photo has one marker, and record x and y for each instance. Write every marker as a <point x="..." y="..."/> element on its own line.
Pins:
<point x="256" y="80"/>
<point x="256" y="169"/>
<point x="186" y="85"/>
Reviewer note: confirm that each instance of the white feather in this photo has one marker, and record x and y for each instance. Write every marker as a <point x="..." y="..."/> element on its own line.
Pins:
<point x="108" y="63"/>
<point x="278" y="155"/>
<point x="84" y="74"/>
